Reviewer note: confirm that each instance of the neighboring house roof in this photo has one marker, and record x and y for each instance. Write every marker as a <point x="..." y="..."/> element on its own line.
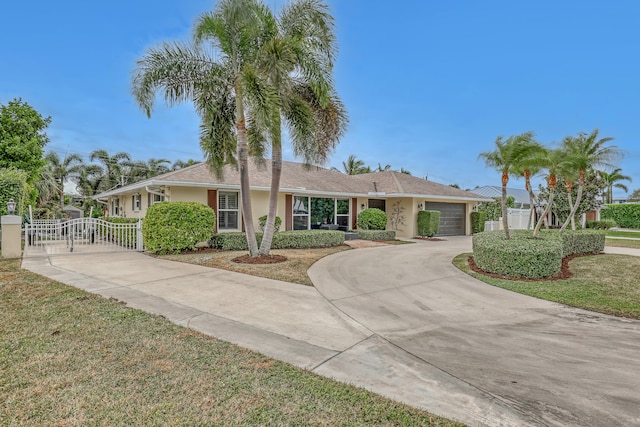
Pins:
<point x="520" y="196"/>
<point x="300" y="178"/>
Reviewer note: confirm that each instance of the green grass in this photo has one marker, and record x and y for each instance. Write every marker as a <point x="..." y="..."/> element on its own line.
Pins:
<point x="632" y="234"/>
<point x="70" y="358"/>
<point x="623" y="243"/>
<point x="607" y="284"/>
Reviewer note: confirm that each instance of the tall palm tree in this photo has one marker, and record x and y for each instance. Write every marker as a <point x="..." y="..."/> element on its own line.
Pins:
<point x="504" y="157"/>
<point x="297" y="63"/>
<point x="525" y="167"/>
<point x="611" y="180"/>
<point x="112" y="167"/>
<point x="61" y="169"/>
<point x="224" y="85"/>
<point x="556" y="162"/>
<point x="588" y="152"/>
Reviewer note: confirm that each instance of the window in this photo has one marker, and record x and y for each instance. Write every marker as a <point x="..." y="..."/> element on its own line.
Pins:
<point x="115" y="206"/>
<point x="315" y="212"/>
<point x="342" y="212"/>
<point x="228" y="212"/>
<point x="152" y="199"/>
<point x="300" y="213"/>
<point x="136" y="202"/>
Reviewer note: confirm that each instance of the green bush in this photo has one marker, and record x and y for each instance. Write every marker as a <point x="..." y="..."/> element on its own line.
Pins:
<point x="172" y="227"/>
<point x="604" y="224"/>
<point x="372" y="219"/>
<point x="13" y="185"/>
<point x="428" y="223"/>
<point x="625" y="215"/>
<point x="263" y="222"/>
<point x="518" y="257"/>
<point x="295" y="239"/>
<point x="477" y="222"/>
<point x="376" y="234"/>
<point x="524" y="256"/>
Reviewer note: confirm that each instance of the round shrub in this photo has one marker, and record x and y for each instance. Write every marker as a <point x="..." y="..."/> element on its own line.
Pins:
<point x="372" y="219"/>
<point x="522" y="256"/>
<point x="172" y="227"/>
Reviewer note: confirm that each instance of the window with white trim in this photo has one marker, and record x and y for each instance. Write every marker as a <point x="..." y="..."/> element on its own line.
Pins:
<point x="228" y="212"/>
<point x="300" y="213"/>
<point x="115" y="206"/>
<point x="152" y="199"/>
<point x="136" y="202"/>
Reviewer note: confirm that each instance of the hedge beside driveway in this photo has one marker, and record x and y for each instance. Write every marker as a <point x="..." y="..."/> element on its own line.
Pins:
<point x="528" y="257"/>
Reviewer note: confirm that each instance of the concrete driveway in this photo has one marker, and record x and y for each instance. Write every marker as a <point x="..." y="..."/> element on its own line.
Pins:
<point x="550" y="364"/>
<point x="400" y="321"/>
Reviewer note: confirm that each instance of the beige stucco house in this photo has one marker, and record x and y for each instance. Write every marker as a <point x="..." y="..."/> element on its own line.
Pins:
<point x="310" y="197"/>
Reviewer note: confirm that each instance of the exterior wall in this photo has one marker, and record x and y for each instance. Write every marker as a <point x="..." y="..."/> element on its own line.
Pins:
<point x="260" y="206"/>
<point x="402" y="214"/>
<point x="188" y="194"/>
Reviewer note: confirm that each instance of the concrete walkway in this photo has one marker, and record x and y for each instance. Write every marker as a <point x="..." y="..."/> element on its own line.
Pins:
<point x="401" y="321"/>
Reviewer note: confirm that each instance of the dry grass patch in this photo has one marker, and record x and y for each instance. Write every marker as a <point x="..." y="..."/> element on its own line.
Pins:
<point x="69" y="358"/>
<point x="293" y="270"/>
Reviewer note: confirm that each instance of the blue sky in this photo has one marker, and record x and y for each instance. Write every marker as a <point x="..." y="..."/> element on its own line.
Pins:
<point x="428" y="84"/>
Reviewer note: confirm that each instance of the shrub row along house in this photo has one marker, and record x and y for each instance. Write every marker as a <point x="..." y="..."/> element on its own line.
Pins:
<point x="310" y="197"/>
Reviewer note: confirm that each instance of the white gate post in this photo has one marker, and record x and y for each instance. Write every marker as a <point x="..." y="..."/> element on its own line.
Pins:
<point x="139" y="242"/>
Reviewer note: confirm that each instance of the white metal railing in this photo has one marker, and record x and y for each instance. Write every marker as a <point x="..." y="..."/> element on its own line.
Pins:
<point x="81" y="235"/>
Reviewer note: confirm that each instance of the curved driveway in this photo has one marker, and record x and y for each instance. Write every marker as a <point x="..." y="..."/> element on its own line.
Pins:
<point x="552" y="364"/>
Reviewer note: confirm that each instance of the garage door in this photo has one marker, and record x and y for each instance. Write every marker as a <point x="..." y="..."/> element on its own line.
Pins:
<point x="452" y="217"/>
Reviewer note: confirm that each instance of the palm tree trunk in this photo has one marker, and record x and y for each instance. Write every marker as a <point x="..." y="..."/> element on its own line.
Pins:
<point x="276" y="172"/>
<point x="575" y="206"/>
<point x="243" y="166"/>
<point x="505" y="219"/>
<point x="546" y="211"/>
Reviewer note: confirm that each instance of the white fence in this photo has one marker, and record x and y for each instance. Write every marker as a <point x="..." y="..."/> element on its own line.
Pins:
<point x="85" y="235"/>
<point x="518" y="220"/>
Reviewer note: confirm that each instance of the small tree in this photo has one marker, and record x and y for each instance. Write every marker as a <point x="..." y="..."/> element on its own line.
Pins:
<point x="397" y="217"/>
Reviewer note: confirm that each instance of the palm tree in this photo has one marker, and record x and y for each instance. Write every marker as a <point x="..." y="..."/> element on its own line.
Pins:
<point x="353" y="166"/>
<point x="524" y="167"/>
<point x="384" y="168"/>
<point x="504" y="157"/>
<point x="224" y="85"/>
<point x="112" y="167"/>
<point x="297" y="63"/>
<point x="610" y="180"/>
<point x="61" y="169"/>
<point x="588" y="152"/>
<point x="556" y="162"/>
<point x="179" y="164"/>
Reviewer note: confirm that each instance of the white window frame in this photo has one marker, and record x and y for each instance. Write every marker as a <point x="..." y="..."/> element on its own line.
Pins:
<point x="136" y="202"/>
<point x="115" y="206"/>
<point x="234" y="209"/>
<point x="304" y="215"/>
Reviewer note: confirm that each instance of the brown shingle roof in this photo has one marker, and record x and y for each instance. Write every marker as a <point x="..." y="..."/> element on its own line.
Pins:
<point x="297" y="177"/>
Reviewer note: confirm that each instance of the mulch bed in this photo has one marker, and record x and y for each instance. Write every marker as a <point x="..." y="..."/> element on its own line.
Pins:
<point x="565" y="271"/>
<point x="261" y="259"/>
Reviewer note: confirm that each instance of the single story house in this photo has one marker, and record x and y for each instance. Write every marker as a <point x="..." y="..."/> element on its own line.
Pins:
<point x="310" y="197"/>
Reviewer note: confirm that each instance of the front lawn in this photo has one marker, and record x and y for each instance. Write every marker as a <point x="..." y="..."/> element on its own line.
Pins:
<point x="72" y="358"/>
<point x="607" y="284"/>
<point x="623" y="243"/>
<point x="632" y="234"/>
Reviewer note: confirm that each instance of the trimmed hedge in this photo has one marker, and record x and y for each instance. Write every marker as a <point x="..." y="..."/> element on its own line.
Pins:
<point x="428" y="223"/>
<point x="172" y="227"/>
<point x="295" y="239"/>
<point x="524" y="256"/>
<point x="601" y="225"/>
<point x="13" y="185"/>
<point x="372" y="219"/>
<point x="376" y="234"/>
<point x="625" y="215"/>
<point x="477" y="222"/>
